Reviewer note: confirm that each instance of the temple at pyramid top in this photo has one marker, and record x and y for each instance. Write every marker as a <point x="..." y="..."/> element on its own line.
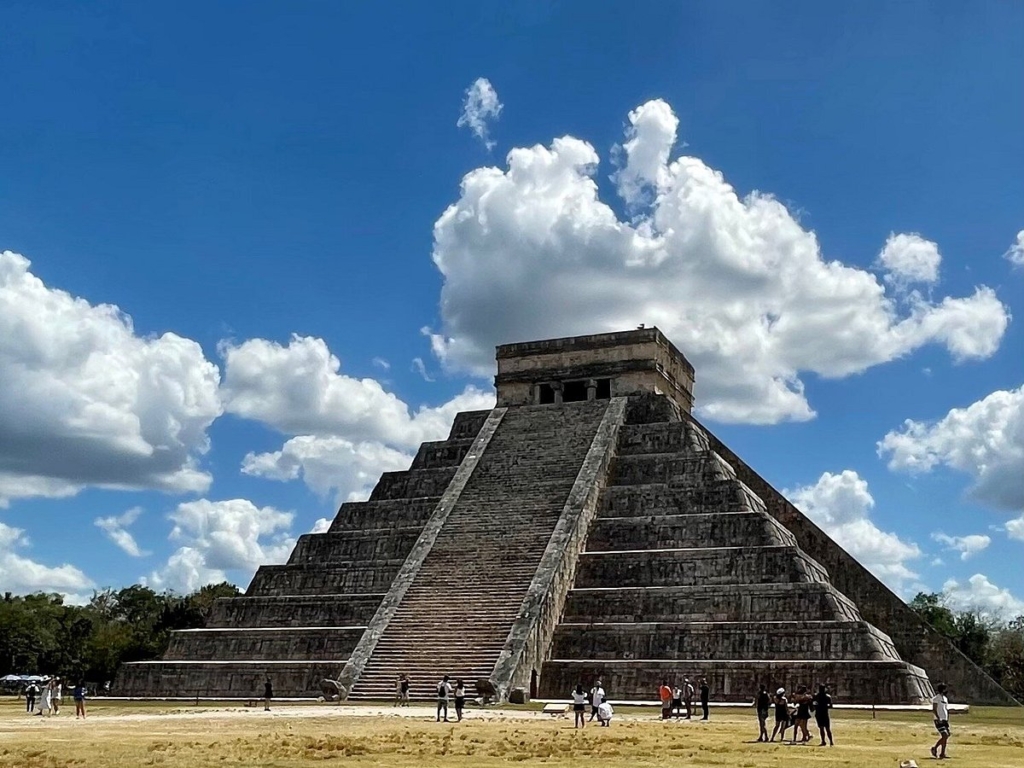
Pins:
<point x="595" y="367"/>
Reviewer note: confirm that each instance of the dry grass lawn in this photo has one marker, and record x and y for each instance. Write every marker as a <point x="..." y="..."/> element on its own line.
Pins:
<point x="118" y="735"/>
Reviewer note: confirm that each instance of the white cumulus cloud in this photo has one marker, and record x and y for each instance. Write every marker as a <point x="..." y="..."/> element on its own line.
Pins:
<point x="22" y="575"/>
<point x="221" y="538"/>
<point x="479" y="108"/>
<point x="76" y="382"/>
<point x="967" y="546"/>
<point x="1015" y="253"/>
<point x="909" y="258"/>
<point x="345" y="431"/>
<point x="985" y="440"/>
<point x="116" y="529"/>
<point x="841" y="504"/>
<point x="531" y="251"/>
<point x="980" y="594"/>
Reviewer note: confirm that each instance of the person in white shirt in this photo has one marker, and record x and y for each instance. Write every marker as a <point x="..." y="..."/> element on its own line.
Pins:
<point x="596" y="697"/>
<point x="579" y="706"/>
<point x="444" y="691"/>
<point x="604" y="713"/>
<point x="940" y="711"/>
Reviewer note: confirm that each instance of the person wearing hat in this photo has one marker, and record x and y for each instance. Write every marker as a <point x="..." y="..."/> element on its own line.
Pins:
<point x="596" y="699"/>
<point x="781" y="715"/>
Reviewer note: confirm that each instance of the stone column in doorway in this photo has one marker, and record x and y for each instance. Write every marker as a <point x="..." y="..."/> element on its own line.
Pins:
<point x="557" y="387"/>
<point x="591" y="389"/>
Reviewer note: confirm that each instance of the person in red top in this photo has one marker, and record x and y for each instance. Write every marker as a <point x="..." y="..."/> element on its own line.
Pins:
<point x="665" y="694"/>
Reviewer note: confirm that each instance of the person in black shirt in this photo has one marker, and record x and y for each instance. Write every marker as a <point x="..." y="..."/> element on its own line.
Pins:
<point x="781" y="715"/>
<point x="763" y="702"/>
<point x="822" y="718"/>
<point x="268" y="694"/>
<point x="705" y="695"/>
<point x="803" y="714"/>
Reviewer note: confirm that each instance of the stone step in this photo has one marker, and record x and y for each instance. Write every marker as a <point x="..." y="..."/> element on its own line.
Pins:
<point x="851" y="682"/>
<point x="677" y="531"/>
<point x="331" y="610"/>
<point x="804" y="640"/>
<point x="748" y="602"/>
<point x="412" y="484"/>
<point x="306" y="579"/>
<point x="263" y="644"/>
<point x="686" y="567"/>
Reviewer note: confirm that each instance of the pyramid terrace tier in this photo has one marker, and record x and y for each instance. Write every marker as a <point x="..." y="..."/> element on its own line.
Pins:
<point x="749" y="602"/>
<point x="269" y="644"/>
<point x="367" y="545"/>
<point x="753" y="640"/>
<point x="384" y="514"/>
<point x="326" y="610"/>
<point x="697" y="566"/>
<point x="851" y="682"/>
<point x="722" y="529"/>
<point x="647" y="499"/>
<point x="314" y="579"/>
<point x="412" y="484"/>
<point x="442" y="453"/>
<point x="224" y="679"/>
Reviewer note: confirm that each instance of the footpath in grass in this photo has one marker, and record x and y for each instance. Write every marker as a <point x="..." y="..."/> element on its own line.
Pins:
<point x="123" y="735"/>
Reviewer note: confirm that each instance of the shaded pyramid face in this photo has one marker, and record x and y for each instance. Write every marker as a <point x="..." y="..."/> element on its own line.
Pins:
<point x="586" y="528"/>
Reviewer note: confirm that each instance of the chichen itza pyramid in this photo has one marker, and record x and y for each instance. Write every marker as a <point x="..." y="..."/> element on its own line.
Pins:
<point x="587" y="526"/>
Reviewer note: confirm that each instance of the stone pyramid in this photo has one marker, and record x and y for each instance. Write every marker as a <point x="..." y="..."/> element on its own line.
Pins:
<point x="587" y="527"/>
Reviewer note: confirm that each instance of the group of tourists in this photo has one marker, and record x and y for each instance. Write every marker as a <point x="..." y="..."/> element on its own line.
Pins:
<point x="446" y="694"/>
<point x="795" y="713"/>
<point x="600" y="707"/>
<point x="677" y="701"/>
<point x="48" y="697"/>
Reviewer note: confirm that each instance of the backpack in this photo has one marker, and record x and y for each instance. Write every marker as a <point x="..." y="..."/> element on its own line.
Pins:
<point x="442" y="691"/>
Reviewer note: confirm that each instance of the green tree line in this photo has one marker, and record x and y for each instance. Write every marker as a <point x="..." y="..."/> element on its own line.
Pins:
<point x="41" y="634"/>
<point x="996" y="646"/>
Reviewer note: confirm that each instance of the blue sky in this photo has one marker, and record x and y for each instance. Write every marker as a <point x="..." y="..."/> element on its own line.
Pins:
<point x="239" y="176"/>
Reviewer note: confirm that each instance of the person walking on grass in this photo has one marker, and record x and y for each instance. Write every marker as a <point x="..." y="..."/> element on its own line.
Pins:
<point x="763" y="703"/>
<point x="822" y="717"/>
<point x="803" y="715"/>
<point x="579" y="706"/>
<point x="596" y="697"/>
<point x="46" y="702"/>
<point x="268" y="694"/>
<point x="781" y="715"/>
<point x="58" y="695"/>
<point x="940" y="711"/>
<point x="705" y="697"/>
<point x="460" y="699"/>
<point x="444" y="692"/>
<point x="78" y="694"/>
<point x="688" y="697"/>
<point x="31" y="692"/>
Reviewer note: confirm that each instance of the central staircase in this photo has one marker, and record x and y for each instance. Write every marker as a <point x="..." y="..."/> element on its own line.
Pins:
<point x="456" y="615"/>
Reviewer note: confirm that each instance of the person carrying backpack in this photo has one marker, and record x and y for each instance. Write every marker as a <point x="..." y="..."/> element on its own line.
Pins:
<point x="444" y="692"/>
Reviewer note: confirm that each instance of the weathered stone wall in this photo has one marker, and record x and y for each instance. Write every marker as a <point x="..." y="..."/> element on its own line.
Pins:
<point x="323" y="643"/>
<point x="915" y="640"/>
<point x="327" y="610"/>
<point x="681" y="531"/>
<point x="315" y="579"/>
<point x="232" y="679"/>
<point x="754" y="602"/>
<point x="334" y="547"/>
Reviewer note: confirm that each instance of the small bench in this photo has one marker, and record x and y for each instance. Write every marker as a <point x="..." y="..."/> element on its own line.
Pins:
<point x="555" y="710"/>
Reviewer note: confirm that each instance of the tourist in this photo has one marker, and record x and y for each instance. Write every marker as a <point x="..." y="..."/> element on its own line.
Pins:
<point x="763" y="703"/>
<point x="940" y="711"/>
<point x="604" y="714"/>
<point x="398" y="690"/>
<point x="579" y="706"/>
<point x="781" y="715"/>
<point x="58" y="695"/>
<point x="46" y="703"/>
<point x="822" y="717"/>
<point x="78" y="694"/>
<point x="596" y="697"/>
<point x="705" y="697"/>
<point x="802" y="716"/>
<point x="268" y="694"/>
<point x="31" y="692"/>
<point x="460" y="699"/>
<point x="677" y="701"/>
<point x="404" y="690"/>
<point x="444" y="691"/>
<point x="665" y="694"/>
<point x="688" y="697"/>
